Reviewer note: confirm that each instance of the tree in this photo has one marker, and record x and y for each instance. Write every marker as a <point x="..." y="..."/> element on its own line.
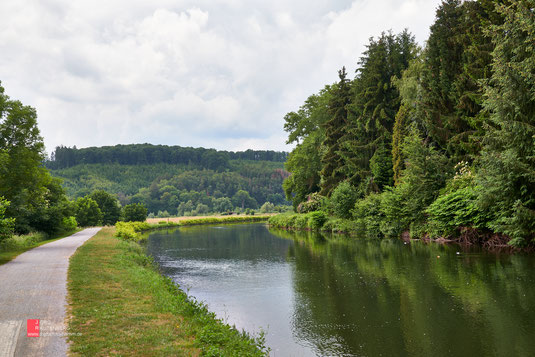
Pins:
<point x="305" y="127"/>
<point x="223" y="204"/>
<point x="457" y="58"/>
<point x="134" y="212"/>
<point x="343" y="199"/>
<point x="22" y="148"/>
<point x="37" y="201"/>
<point x="375" y="103"/>
<point x="6" y="224"/>
<point x="244" y="200"/>
<point x="267" y="207"/>
<point x="87" y="212"/>
<point x="507" y="173"/>
<point x="332" y="162"/>
<point x="109" y="205"/>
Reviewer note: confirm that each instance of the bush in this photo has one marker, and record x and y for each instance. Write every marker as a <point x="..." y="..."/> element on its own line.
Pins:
<point x="456" y="209"/>
<point x="316" y="219"/>
<point x="285" y="220"/>
<point x="134" y="212"/>
<point x="130" y="230"/>
<point x="69" y="223"/>
<point x="368" y="216"/>
<point x="301" y="221"/>
<point x="343" y="200"/>
<point x="315" y="202"/>
<point x="339" y="225"/>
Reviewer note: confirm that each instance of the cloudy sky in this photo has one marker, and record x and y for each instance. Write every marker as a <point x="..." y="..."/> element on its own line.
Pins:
<point x="211" y="73"/>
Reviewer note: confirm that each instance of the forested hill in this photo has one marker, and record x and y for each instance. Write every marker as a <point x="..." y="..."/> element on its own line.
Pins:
<point x="143" y="154"/>
<point x="173" y="179"/>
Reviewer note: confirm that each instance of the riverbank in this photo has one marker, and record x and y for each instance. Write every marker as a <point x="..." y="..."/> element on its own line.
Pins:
<point x="319" y="221"/>
<point x="121" y="305"/>
<point x="134" y="230"/>
<point x="13" y="246"/>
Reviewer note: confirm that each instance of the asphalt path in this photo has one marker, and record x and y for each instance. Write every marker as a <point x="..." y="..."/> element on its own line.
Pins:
<point x="34" y="286"/>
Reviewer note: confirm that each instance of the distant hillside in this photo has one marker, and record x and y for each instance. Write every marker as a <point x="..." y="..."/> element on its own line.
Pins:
<point x="166" y="177"/>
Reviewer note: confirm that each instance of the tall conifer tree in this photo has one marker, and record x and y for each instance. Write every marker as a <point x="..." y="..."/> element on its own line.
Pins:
<point x="335" y="127"/>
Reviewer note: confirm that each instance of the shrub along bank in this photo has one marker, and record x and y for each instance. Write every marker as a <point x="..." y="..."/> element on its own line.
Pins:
<point x="121" y="305"/>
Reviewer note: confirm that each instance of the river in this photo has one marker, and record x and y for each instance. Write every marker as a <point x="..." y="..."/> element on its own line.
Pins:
<point x="353" y="297"/>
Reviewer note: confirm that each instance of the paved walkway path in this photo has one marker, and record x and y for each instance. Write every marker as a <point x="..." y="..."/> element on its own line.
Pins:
<point x="34" y="286"/>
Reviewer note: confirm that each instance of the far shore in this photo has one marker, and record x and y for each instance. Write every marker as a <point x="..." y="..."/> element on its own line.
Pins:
<point x="182" y="218"/>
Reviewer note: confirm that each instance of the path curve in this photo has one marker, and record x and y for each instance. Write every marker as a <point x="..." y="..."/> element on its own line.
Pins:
<point x="34" y="286"/>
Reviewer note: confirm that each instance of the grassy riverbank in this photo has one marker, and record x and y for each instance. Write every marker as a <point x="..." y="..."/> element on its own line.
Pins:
<point x="133" y="230"/>
<point x="11" y="247"/>
<point x="121" y="305"/>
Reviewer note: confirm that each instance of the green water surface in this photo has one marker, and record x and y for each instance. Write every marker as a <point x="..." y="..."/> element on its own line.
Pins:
<point x="337" y="296"/>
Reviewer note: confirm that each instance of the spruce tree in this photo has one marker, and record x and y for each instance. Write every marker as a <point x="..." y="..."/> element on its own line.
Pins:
<point x="373" y="110"/>
<point x="457" y="58"/>
<point x="332" y="162"/>
<point x="507" y="173"/>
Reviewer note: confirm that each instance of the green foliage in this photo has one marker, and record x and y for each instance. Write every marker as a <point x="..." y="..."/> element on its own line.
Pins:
<point x="316" y="220"/>
<point x="368" y="216"/>
<point x="284" y="220"/>
<point x="6" y="224"/>
<point x="163" y="187"/>
<point x="267" y="207"/>
<point x="306" y="128"/>
<point x="507" y="164"/>
<point x="373" y="109"/>
<point x="243" y="200"/>
<point x="143" y="154"/>
<point x="425" y="174"/>
<point x="314" y="202"/>
<point x="381" y="168"/>
<point x="69" y="223"/>
<point x="457" y="59"/>
<point x="131" y="230"/>
<point x="343" y="199"/>
<point x="335" y="126"/>
<point x="340" y="225"/>
<point x="134" y="212"/>
<point x="456" y="209"/>
<point x="109" y="206"/>
<point x="87" y="212"/>
<point x="223" y="204"/>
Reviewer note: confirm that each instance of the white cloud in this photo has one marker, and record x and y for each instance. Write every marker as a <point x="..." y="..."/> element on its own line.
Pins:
<point x="194" y="73"/>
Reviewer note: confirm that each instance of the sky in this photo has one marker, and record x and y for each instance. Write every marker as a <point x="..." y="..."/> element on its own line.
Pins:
<point x="207" y="73"/>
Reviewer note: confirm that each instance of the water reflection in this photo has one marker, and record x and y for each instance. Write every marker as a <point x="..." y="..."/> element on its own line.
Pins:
<point x="386" y="297"/>
<point x="330" y="296"/>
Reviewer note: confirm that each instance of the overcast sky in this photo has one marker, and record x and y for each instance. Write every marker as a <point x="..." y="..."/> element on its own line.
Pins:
<point x="211" y="73"/>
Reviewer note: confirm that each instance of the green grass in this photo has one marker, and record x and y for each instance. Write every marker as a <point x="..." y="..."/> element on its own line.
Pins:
<point x="11" y="247"/>
<point x="121" y="306"/>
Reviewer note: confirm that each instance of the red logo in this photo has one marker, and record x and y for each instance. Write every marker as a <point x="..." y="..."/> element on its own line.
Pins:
<point x="33" y="327"/>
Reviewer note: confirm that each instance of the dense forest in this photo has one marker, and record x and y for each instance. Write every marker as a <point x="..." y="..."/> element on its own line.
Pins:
<point x="433" y="142"/>
<point x="143" y="154"/>
<point x="171" y="180"/>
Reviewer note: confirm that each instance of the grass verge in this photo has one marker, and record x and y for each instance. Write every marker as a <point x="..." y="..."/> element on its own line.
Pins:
<point x="15" y="245"/>
<point x="120" y="305"/>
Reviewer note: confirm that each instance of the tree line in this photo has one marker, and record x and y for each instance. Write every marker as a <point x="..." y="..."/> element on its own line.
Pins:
<point x="432" y="141"/>
<point x="143" y="154"/>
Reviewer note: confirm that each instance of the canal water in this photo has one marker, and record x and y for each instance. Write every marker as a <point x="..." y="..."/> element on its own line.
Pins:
<point x="334" y="296"/>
